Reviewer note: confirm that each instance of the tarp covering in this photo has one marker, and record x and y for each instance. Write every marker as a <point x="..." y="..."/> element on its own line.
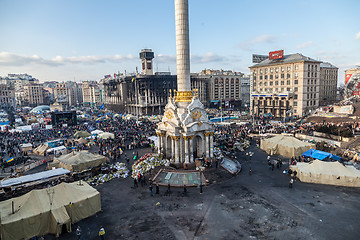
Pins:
<point x="231" y="166"/>
<point x="96" y="132"/>
<point x="81" y="134"/>
<point x="33" y="177"/>
<point x="285" y="145"/>
<point x="331" y="173"/>
<point x="79" y="161"/>
<point x="40" y="150"/>
<point x="45" y="211"/>
<point x="321" y="155"/>
<point x="106" y="135"/>
<point x="57" y="150"/>
<point x="82" y="141"/>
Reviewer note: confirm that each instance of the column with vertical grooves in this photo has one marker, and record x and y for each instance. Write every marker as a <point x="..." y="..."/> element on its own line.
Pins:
<point x="182" y="47"/>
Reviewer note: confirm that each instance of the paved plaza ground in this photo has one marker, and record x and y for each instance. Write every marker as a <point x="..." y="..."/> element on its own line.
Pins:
<point x="260" y="206"/>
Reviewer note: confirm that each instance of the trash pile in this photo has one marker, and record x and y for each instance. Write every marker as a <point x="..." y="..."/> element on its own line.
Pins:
<point x="242" y="146"/>
<point x="218" y="153"/>
<point x="116" y="170"/>
<point x="147" y="162"/>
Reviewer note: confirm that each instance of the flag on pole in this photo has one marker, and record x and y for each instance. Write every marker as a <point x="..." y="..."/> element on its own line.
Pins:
<point x="10" y="160"/>
<point x="132" y="80"/>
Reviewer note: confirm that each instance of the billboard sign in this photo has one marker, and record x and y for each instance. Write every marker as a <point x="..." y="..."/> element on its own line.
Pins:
<point x="259" y="58"/>
<point x="347" y="78"/>
<point x="276" y="54"/>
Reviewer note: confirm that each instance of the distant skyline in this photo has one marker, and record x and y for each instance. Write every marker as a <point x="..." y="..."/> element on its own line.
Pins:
<point x="87" y="39"/>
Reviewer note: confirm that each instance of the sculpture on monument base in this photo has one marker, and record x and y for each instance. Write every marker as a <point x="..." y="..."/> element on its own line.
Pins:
<point x="185" y="132"/>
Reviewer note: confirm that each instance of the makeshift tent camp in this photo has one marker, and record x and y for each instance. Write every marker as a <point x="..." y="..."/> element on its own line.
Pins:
<point x="40" y="150"/>
<point x="331" y="173"/>
<point x="44" y="211"/>
<point x="79" y="161"/>
<point x="285" y="145"/>
<point x="81" y="134"/>
<point x="106" y="135"/>
<point x="317" y="154"/>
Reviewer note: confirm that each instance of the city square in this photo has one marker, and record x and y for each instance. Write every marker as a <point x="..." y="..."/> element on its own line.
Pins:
<point x="268" y="152"/>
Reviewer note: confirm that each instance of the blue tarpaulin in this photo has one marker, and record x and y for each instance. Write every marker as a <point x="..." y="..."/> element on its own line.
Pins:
<point x="321" y="155"/>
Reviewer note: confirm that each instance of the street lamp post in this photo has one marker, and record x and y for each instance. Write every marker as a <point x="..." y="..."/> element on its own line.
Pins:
<point x="250" y="155"/>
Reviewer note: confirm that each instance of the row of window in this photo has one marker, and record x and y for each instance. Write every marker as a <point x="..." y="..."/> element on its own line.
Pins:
<point x="311" y="67"/>
<point x="276" y="69"/>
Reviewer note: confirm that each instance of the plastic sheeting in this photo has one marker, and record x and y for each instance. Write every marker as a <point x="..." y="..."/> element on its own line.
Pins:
<point x="321" y="155"/>
<point x="33" y="177"/>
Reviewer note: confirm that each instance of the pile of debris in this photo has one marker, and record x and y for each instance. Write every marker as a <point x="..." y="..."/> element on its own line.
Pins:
<point x="116" y="170"/>
<point x="147" y="162"/>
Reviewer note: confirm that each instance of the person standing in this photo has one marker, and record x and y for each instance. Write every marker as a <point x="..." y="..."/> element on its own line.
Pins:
<point x="78" y="233"/>
<point x="102" y="233"/>
<point x="291" y="183"/>
<point x="151" y="189"/>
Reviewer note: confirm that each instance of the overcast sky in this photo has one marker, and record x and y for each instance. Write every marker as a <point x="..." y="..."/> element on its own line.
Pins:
<point x="87" y="39"/>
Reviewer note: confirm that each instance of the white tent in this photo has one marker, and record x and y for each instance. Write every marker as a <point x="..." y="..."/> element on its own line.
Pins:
<point x="57" y="150"/>
<point x="106" y="135"/>
<point x="97" y="132"/>
<point x="331" y="173"/>
<point x="285" y="145"/>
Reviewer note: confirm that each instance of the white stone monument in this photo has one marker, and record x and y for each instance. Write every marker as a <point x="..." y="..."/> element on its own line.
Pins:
<point x="185" y="131"/>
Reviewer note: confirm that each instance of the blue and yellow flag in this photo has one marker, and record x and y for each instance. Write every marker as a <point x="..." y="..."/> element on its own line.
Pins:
<point x="10" y="160"/>
<point x="132" y="80"/>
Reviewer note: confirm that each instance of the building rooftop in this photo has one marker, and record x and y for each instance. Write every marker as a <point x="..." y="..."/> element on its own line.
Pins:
<point x="297" y="57"/>
<point x="327" y="65"/>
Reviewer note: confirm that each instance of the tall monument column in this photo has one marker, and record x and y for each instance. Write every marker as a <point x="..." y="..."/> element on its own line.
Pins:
<point x="184" y="93"/>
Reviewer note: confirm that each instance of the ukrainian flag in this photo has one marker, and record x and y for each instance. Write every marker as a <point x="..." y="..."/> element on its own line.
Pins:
<point x="10" y="160"/>
<point x="132" y="80"/>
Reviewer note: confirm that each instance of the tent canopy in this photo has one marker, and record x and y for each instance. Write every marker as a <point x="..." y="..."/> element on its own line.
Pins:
<point x="40" y="150"/>
<point x="284" y="145"/>
<point x="96" y="132"/>
<point x="82" y="134"/>
<point x="331" y="173"/>
<point x="79" y="161"/>
<point x="44" y="211"/>
<point x="33" y="177"/>
<point x="106" y="135"/>
<point x="321" y="155"/>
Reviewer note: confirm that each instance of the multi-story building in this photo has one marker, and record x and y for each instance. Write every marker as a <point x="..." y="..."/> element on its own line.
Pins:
<point x="92" y="94"/>
<point x="147" y="93"/>
<point x="79" y="93"/>
<point x="245" y="91"/>
<point x="225" y="88"/>
<point x="61" y="94"/>
<point x="285" y="85"/>
<point x="7" y="96"/>
<point x="72" y="93"/>
<point x="352" y="82"/>
<point x="18" y="81"/>
<point x="328" y="84"/>
<point x="34" y="95"/>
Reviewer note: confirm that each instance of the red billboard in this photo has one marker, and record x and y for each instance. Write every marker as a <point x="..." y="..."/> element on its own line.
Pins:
<point x="347" y="78"/>
<point x="276" y="54"/>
